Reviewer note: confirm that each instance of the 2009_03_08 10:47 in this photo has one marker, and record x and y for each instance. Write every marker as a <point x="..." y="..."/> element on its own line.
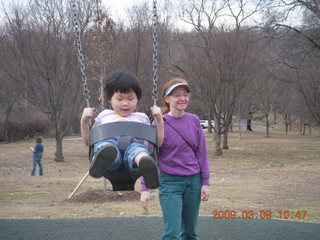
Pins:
<point x="256" y="214"/>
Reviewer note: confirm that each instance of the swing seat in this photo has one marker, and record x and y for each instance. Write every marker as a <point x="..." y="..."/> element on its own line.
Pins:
<point x="122" y="179"/>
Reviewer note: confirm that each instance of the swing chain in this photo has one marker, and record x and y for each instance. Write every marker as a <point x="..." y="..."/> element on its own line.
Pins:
<point x="155" y="54"/>
<point x="81" y="57"/>
<point x="77" y="32"/>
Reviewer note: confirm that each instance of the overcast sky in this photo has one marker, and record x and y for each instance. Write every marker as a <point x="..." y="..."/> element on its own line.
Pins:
<point x="118" y="7"/>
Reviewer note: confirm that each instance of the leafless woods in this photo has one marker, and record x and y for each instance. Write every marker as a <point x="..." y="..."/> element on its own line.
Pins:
<point x="241" y="57"/>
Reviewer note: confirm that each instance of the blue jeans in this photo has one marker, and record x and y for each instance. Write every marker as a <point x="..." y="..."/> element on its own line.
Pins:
<point x="180" y="201"/>
<point x="37" y="160"/>
<point x="128" y="159"/>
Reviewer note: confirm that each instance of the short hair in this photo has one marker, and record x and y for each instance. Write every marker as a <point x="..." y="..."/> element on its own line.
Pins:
<point x="123" y="81"/>
<point x="38" y="139"/>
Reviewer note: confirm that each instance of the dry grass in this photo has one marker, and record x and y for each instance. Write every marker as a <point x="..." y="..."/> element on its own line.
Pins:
<point x="257" y="173"/>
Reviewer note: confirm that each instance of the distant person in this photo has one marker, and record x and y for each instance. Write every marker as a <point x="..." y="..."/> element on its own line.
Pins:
<point x="123" y="93"/>
<point x="183" y="163"/>
<point x="37" y="150"/>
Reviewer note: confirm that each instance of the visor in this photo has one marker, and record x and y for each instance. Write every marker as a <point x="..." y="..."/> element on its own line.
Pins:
<point x="171" y="88"/>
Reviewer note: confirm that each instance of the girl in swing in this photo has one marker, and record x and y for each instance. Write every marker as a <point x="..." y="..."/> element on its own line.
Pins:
<point x="123" y="93"/>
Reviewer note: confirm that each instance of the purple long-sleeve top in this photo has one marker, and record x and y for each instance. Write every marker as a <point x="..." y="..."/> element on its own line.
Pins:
<point x="176" y="157"/>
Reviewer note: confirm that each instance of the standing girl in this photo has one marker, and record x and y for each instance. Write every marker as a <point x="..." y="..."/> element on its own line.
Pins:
<point x="183" y="163"/>
<point x="37" y="150"/>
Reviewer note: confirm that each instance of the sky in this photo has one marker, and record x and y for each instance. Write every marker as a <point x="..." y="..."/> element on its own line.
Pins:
<point x="115" y="5"/>
<point x="118" y="7"/>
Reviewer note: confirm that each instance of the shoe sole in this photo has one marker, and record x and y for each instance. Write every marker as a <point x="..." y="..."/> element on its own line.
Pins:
<point x="102" y="160"/>
<point x="149" y="170"/>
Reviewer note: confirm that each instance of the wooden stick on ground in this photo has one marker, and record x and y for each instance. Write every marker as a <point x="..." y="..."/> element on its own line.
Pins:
<point x="79" y="184"/>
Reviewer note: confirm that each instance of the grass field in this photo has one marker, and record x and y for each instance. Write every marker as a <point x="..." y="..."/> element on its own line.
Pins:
<point x="261" y="177"/>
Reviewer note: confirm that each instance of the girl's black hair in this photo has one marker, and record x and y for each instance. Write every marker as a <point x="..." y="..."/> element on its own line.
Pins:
<point x="123" y="81"/>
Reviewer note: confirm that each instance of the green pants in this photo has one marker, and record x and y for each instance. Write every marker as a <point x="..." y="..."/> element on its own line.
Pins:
<point x="180" y="201"/>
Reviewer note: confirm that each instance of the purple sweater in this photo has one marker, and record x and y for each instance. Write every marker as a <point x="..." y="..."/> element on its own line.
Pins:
<point x="175" y="156"/>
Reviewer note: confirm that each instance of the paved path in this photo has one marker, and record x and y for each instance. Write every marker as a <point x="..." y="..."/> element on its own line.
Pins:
<point x="149" y="228"/>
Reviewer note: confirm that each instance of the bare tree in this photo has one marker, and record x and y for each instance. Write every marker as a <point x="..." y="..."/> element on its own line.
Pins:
<point x="10" y="94"/>
<point x="42" y="49"/>
<point x="281" y="13"/>
<point x="100" y="49"/>
<point x="300" y="52"/>
<point x="219" y="58"/>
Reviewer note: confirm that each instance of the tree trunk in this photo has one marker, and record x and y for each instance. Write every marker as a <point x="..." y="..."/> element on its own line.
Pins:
<point x="59" y="149"/>
<point x="249" y="127"/>
<point x="267" y="126"/>
<point x="209" y="125"/>
<point x="6" y="120"/>
<point x="301" y="124"/>
<point x="286" y="123"/>
<point x="218" y="145"/>
<point x="6" y="125"/>
<point x="225" y="141"/>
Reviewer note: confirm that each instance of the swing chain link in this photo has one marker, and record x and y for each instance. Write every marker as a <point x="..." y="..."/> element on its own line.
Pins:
<point x="155" y="54"/>
<point x="77" y="32"/>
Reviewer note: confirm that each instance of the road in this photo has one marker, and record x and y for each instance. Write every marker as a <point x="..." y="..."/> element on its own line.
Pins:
<point x="149" y="228"/>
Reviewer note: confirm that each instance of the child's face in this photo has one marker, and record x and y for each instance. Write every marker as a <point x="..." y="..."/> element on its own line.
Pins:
<point x="124" y="103"/>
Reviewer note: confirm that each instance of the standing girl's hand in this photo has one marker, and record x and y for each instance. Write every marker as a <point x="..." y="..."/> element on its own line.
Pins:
<point x="205" y="193"/>
<point x="145" y="200"/>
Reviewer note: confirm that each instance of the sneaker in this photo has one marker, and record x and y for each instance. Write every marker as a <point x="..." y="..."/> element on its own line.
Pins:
<point x="150" y="171"/>
<point x="102" y="160"/>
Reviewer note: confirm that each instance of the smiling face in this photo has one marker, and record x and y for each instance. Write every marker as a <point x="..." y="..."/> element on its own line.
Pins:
<point x="178" y="100"/>
<point x="124" y="103"/>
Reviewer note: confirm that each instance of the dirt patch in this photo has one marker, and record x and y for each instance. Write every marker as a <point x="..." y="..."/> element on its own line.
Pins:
<point x="100" y="196"/>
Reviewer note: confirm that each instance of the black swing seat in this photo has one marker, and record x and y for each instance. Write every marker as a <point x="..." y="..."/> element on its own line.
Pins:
<point x="122" y="179"/>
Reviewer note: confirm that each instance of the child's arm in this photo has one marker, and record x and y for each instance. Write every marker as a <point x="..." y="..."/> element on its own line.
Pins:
<point x="156" y="112"/>
<point x="32" y="149"/>
<point x="84" y="124"/>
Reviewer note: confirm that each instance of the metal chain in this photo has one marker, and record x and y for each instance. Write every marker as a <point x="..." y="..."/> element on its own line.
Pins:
<point x="77" y="32"/>
<point x="155" y="54"/>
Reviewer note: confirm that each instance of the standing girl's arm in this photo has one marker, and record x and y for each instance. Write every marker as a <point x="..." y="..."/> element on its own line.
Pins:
<point x="202" y="156"/>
